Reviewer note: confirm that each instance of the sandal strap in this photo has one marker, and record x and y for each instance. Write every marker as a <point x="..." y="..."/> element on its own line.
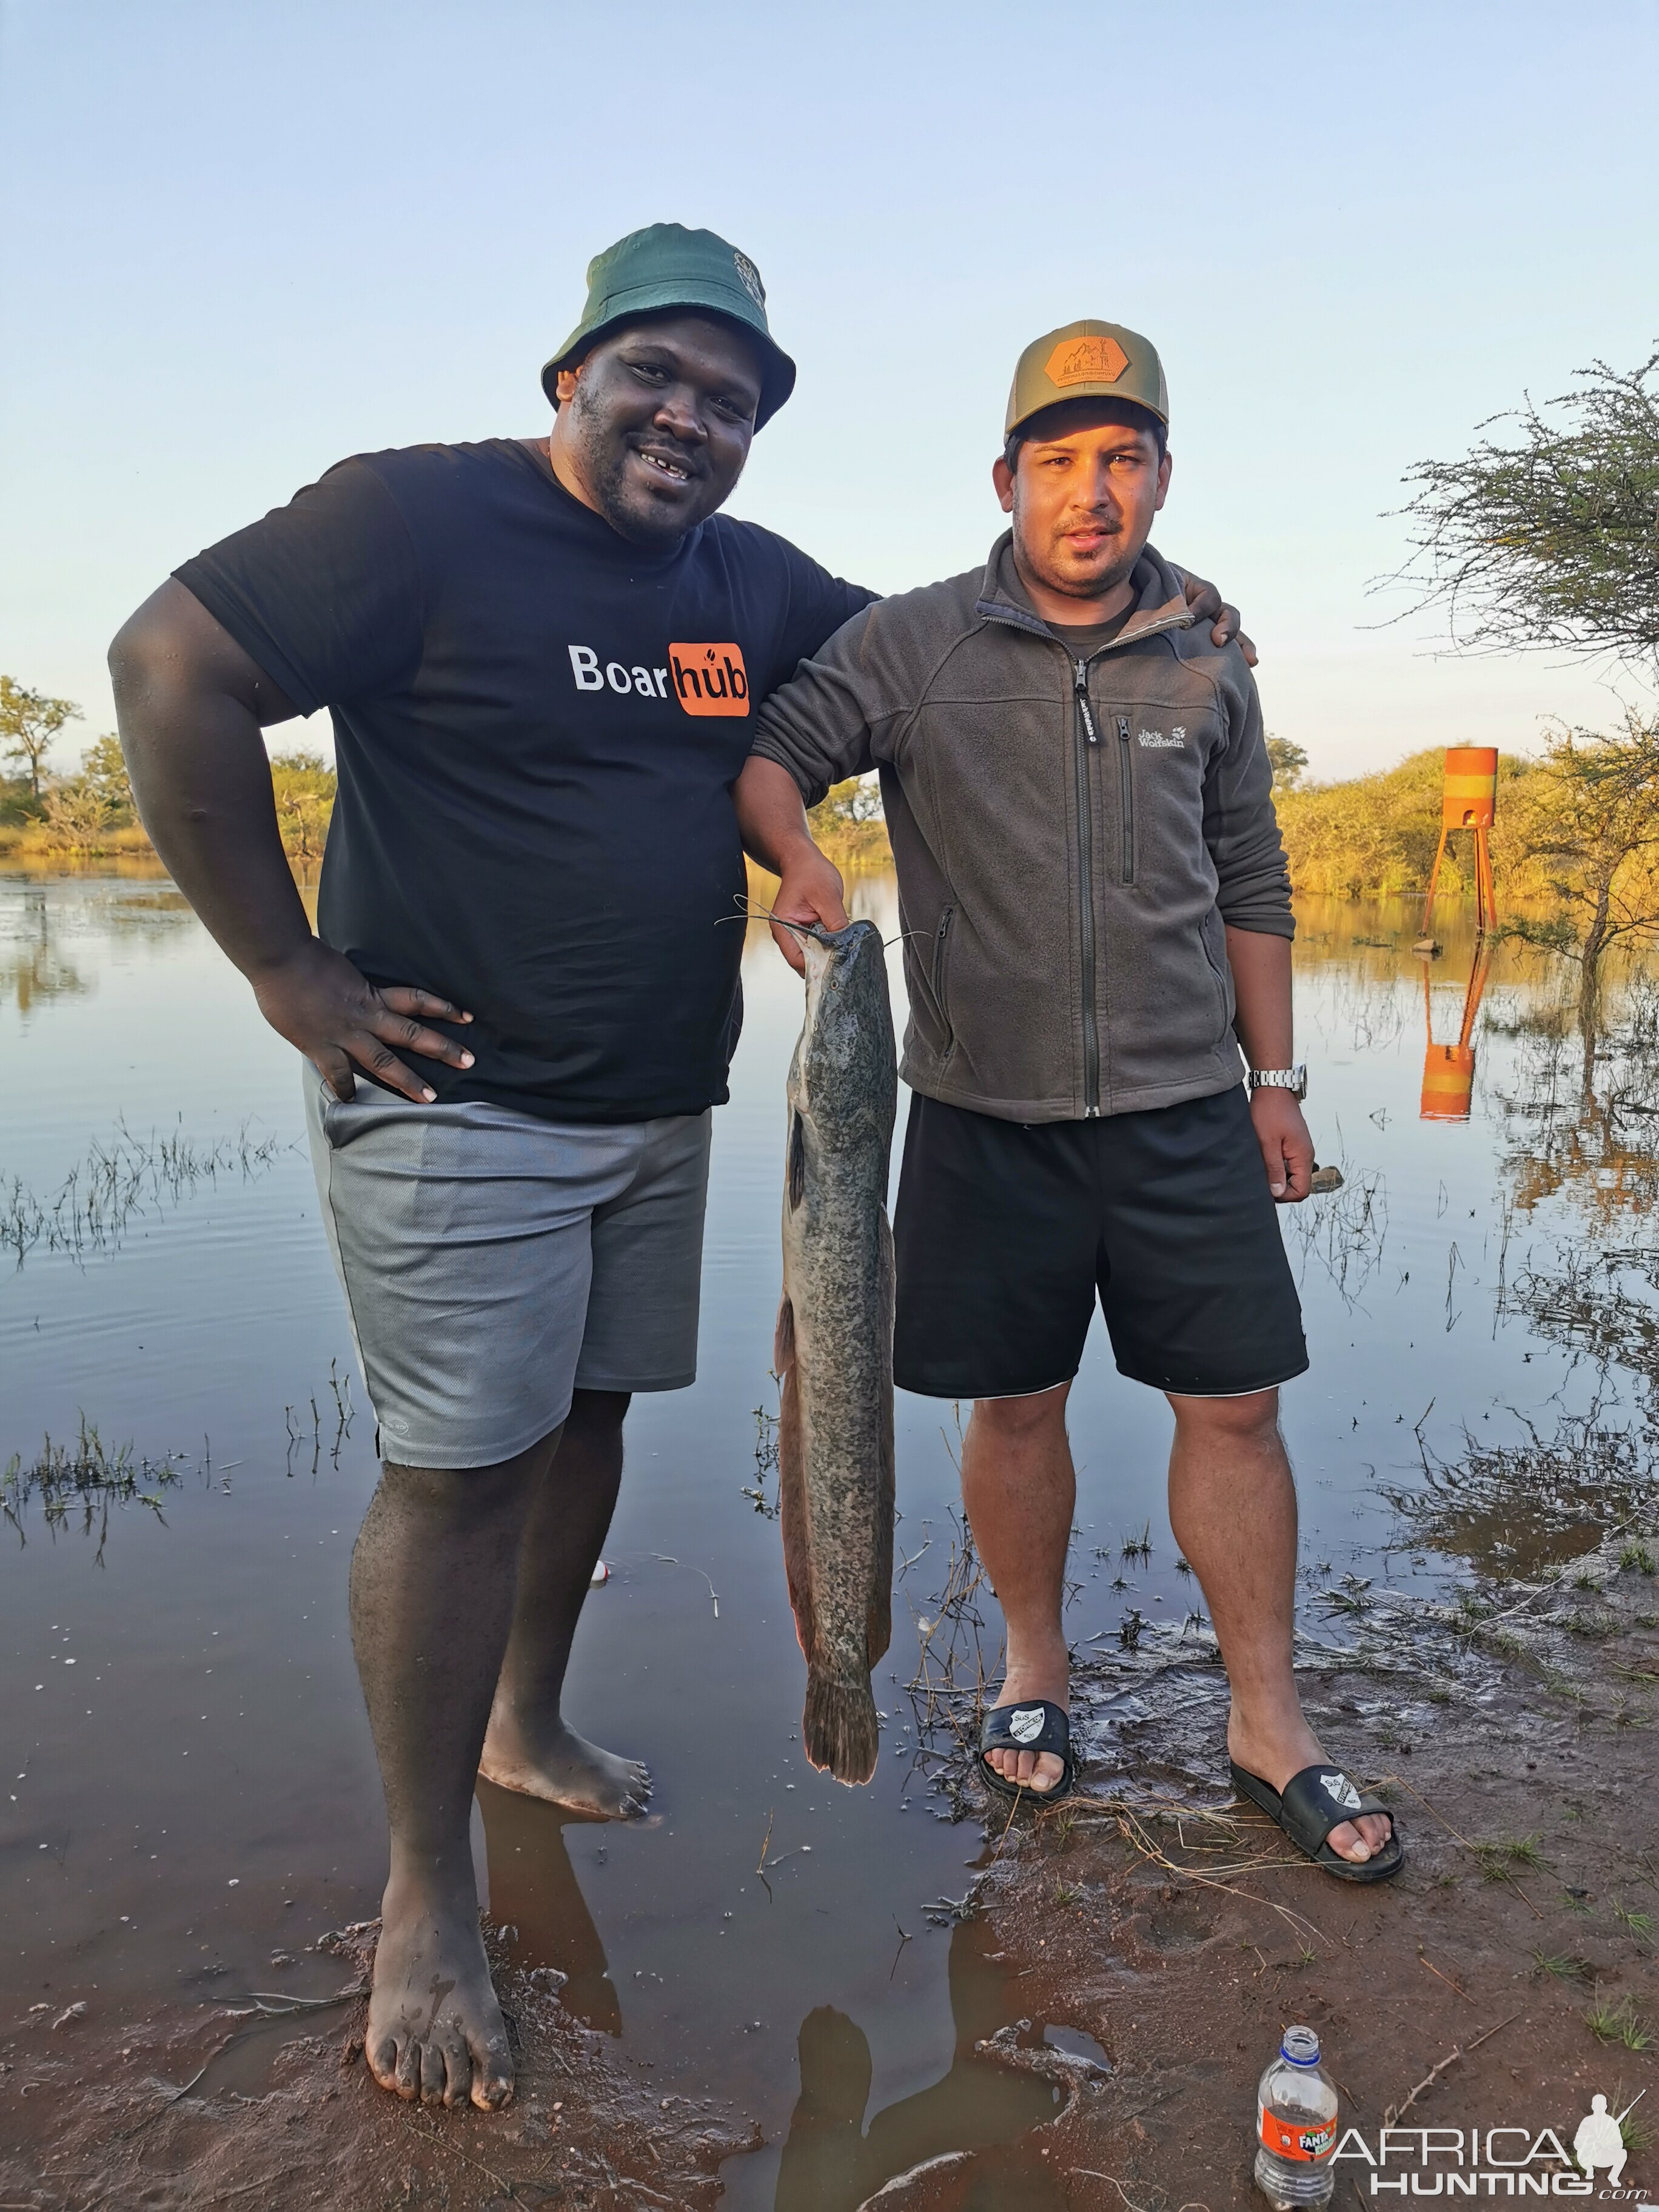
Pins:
<point x="1320" y="1798"/>
<point x="1032" y="1725"/>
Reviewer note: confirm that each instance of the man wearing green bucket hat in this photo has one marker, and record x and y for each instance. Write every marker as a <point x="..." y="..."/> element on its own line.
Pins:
<point x="1097" y="929"/>
<point x="543" y="657"/>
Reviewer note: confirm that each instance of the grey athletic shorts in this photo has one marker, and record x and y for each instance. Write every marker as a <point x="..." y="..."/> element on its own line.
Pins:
<point x="492" y="1262"/>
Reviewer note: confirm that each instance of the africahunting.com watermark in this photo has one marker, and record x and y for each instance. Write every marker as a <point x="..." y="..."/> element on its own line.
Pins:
<point x="1497" y="2161"/>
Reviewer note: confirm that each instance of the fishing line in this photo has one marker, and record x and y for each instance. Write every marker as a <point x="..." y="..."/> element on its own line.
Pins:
<point x="751" y="909"/>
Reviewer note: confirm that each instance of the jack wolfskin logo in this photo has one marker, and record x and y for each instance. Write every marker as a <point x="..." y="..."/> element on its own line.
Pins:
<point x="1156" y="741"/>
<point x="1086" y="360"/>
<point x="749" y="277"/>
<point x="710" y="679"/>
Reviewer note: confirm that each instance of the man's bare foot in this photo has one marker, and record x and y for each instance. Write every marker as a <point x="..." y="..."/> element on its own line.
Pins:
<point x="562" y="1767"/>
<point x="435" y="2029"/>
<point x="1276" y="1754"/>
<point x="1037" y="1770"/>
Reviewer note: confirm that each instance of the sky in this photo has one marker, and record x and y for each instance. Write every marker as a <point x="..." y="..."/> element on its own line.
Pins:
<point x="241" y="243"/>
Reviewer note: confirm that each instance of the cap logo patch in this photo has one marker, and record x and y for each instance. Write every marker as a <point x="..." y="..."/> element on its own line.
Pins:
<point x="710" y="679"/>
<point x="749" y="276"/>
<point x="1086" y="361"/>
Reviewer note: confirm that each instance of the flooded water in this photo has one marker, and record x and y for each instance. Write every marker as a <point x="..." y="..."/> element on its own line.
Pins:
<point x="189" y="1791"/>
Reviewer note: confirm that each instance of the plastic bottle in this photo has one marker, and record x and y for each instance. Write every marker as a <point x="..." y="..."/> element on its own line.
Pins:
<point x="1296" y="2125"/>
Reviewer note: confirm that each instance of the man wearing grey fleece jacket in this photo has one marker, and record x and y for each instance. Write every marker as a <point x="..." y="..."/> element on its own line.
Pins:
<point x="1098" y="918"/>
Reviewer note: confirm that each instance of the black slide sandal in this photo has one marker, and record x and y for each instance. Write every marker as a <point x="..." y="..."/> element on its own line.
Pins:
<point x="1034" y="1725"/>
<point x="1312" y="1803"/>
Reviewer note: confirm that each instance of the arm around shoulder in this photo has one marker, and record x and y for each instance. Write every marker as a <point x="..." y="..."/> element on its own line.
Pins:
<point x="822" y="726"/>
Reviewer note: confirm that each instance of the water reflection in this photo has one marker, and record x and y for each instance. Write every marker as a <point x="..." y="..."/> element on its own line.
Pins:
<point x="1449" y="1069"/>
<point x="1580" y="1112"/>
<point x="835" y="2157"/>
<point x="1581" y="1129"/>
<point x="838" y="2154"/>
<point x="533" y="1888"/>
<point x="1513" y="1510"/>
<point x="32" y="962"/>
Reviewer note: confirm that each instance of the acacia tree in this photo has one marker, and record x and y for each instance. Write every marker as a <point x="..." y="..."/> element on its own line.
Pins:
<point x="1289" y="760"/>
<point x="30" y="724"/>
<point x="1589" y="815"/>
<point x="1550" y="537"/>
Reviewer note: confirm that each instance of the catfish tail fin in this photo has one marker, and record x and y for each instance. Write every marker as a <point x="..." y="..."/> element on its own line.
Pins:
<point x="839" y="1729"/>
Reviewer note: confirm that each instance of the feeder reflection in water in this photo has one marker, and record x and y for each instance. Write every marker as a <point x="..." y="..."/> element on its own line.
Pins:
<point x="1449" y="1069"/>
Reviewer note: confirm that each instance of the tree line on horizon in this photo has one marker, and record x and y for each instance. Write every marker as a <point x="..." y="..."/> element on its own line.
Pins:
<point x="1545" y="538"/>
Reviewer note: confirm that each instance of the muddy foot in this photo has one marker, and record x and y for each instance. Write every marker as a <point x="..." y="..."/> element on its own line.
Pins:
<point x="565" y="1769"/>
<point x="435" y="2029"/>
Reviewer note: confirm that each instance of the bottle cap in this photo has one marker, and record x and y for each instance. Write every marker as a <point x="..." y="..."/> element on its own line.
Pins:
<point x="1300" y="2047"/>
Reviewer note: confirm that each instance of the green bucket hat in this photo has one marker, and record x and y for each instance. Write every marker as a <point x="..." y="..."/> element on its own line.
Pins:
<point x="666" y="266"/>
<point x="1087" y="361"/>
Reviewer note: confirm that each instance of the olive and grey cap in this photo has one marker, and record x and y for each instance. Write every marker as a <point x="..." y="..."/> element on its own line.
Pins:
<point x="665" y="266"/>
<point x="1087" y="361"/>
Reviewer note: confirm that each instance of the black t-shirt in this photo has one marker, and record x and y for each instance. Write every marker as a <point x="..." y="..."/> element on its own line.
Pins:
<point x="1083" y="639"/>
<point x="536" y="727"/>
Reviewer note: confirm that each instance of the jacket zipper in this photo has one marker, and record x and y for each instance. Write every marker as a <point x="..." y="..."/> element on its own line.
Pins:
<point x="941" y="944"/>
<point x="1127" y="788"/>
<point x="1088" y="736"/>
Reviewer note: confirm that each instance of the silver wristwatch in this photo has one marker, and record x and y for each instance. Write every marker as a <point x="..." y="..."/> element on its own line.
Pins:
<point x="1293" y="1079"/>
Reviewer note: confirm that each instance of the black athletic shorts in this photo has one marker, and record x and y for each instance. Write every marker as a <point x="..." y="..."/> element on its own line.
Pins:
<point x="1005" y="1231"/>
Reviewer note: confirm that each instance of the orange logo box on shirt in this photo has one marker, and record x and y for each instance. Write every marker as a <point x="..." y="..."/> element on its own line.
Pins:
<point x="710" y="679"/>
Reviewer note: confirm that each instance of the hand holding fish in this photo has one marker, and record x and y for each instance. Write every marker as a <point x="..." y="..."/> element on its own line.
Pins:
<point x="811" y="890"/>
<point x="776" y="833"/>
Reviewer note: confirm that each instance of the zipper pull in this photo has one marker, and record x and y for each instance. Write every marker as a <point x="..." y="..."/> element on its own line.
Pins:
<point x="1123" y="729"/>
<point x="1083" y="707"/>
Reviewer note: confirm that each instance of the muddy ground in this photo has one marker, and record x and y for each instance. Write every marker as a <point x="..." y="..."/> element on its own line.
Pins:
<point x="1513" y="1731"/>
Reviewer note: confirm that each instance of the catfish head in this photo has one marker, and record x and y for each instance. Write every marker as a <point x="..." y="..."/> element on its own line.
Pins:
<point x="843" y="1079"/>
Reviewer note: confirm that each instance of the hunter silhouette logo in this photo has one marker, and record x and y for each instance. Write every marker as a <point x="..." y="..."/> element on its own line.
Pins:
<point x="1600" y="2141"/>
<point x="1086" y="360"/>
<point x="710" y="679"/>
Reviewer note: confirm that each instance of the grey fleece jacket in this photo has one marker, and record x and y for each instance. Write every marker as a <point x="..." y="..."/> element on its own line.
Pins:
<point x="1071" y="838"/>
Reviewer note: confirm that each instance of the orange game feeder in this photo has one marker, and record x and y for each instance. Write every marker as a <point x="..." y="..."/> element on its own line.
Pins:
<point x="1469" y="802"/>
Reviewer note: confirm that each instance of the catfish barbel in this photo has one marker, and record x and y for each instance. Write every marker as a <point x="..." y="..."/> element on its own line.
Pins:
<point x="834" y="1353"/>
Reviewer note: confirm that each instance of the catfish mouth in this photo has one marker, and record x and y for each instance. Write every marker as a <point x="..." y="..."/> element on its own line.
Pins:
<point x="831" y="958"/>
<point x="821" y="951"/>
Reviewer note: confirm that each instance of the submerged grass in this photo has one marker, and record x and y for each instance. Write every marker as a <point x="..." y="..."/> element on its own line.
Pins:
<point x="1345" y="1232"/>
<point x="119" y="1178"/>
<point x="84" y="1479"/>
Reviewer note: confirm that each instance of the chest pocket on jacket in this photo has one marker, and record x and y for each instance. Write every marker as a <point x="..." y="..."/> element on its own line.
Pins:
<point x="1167" y="755"/>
